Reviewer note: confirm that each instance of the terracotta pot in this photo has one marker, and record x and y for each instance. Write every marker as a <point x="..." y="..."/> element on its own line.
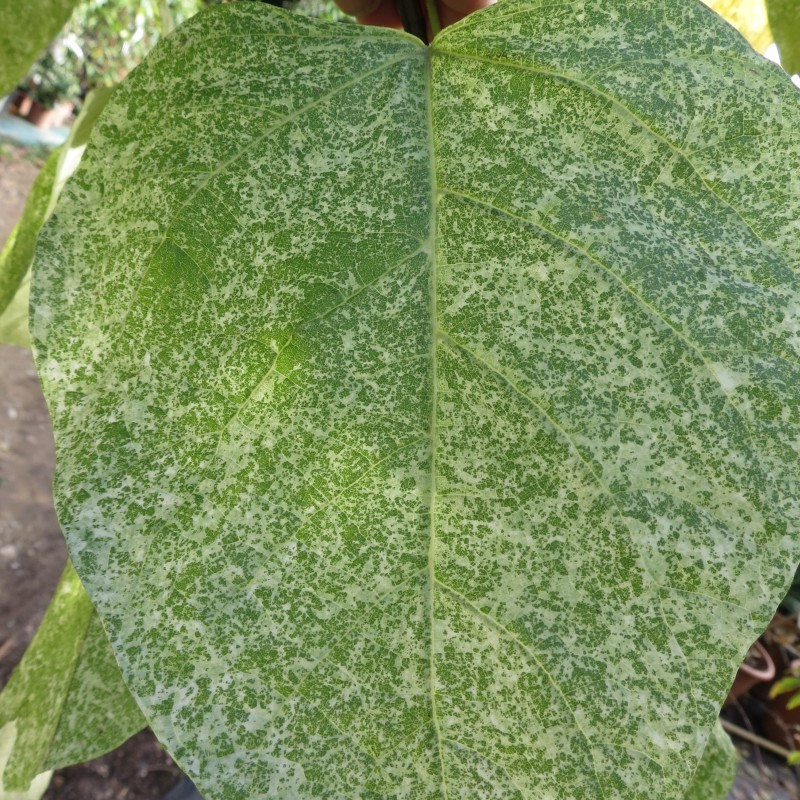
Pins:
<point x="749" y="676"/>
<point x="24" y="104"/>
<point x="43" y="117"/>
<point x="780" y="724"/>
<point x="780" y="641"/>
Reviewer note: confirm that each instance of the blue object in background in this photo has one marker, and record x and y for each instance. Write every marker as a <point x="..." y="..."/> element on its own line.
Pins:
<point x="17" y="130"/>
<point x="185" y="790"/>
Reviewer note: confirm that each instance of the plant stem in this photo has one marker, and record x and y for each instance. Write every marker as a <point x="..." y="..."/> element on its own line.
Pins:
<point x="433" y="17"/>
<point x="753" y="738"/>
<point x="413" y="18"/>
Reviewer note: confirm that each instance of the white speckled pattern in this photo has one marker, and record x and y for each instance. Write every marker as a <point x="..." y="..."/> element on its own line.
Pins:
<point x="427" y="419"/>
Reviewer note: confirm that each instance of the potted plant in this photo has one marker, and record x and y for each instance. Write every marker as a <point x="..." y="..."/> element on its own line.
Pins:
<point x="54" y="87"/>
<point x="758" y="667"/>
<point x="781" y="721"/>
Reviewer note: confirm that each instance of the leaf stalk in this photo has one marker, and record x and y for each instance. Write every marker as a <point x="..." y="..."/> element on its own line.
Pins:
<point x="420" y="18"/>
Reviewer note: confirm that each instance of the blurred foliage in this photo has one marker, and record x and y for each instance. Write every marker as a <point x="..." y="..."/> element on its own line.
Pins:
<point x="322" y="9"/>
<point x="108" y="38"/>
<point x="764" y="22"/>
<point x="102" y="41"/>
<point x="749" y="17"/>
<point x="784" y="19"/>
<point x="105" y="39"/>
<point x="52" y="80"/>
<point x="26" y="28"/>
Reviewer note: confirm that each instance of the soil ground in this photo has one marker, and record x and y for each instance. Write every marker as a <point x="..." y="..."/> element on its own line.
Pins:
<point x="32" y="555"/>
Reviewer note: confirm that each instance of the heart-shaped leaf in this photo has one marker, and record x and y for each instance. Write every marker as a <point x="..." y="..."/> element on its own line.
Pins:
<point x="426" y="418"/>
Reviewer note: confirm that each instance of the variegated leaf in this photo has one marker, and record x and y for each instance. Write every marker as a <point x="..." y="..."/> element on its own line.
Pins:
<point x="426" y="418"/>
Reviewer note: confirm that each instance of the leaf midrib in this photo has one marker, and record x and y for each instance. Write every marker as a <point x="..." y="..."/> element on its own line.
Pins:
<point x="434" y="334"/>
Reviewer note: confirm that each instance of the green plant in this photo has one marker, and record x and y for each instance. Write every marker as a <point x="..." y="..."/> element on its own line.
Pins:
<point x="25" y="31"/>
<point x="425" y="415"/>
<point x="789" y="683"/>
<point x="52" y="81"/>
<point x="110" y="37"/>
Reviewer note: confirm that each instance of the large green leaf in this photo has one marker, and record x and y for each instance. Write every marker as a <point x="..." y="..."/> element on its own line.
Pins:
<point x="426" y="419"/>
<point x="26" y="28"/>
<point x="717" y="769"/>
<point x="16" y="257"/>
<point x="784" y="20"/>
<point x="66" y="702"/>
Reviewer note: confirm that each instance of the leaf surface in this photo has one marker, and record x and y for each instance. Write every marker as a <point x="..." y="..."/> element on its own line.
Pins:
<point x="426" y="419"/>
<point x="717" y="768"/>
<point x="39" y="784"/>
<point x="66" y="702"/>
<point x="26" y="29"/>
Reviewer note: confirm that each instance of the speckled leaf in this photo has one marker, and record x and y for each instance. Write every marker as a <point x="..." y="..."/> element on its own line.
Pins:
<point x="427" y="419"/>
<point x="26" y="28"/>
<point x="66" y="702"/>
<point x="717" y="768"/>
<point x="784" y="20"/>
<point x="17" y="254"/>
<point x="39" y="784"/>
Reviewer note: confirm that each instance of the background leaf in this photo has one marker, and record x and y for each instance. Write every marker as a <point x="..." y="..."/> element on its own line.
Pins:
<point x="16" y="257"/>
<point x="784" y="20"/>
<point x="66" y="702"/>
<point x="426" y="420"/>
<point x="39" y="784"/>
<point x="26" y="28"/>
<point x="717" y="769"/>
